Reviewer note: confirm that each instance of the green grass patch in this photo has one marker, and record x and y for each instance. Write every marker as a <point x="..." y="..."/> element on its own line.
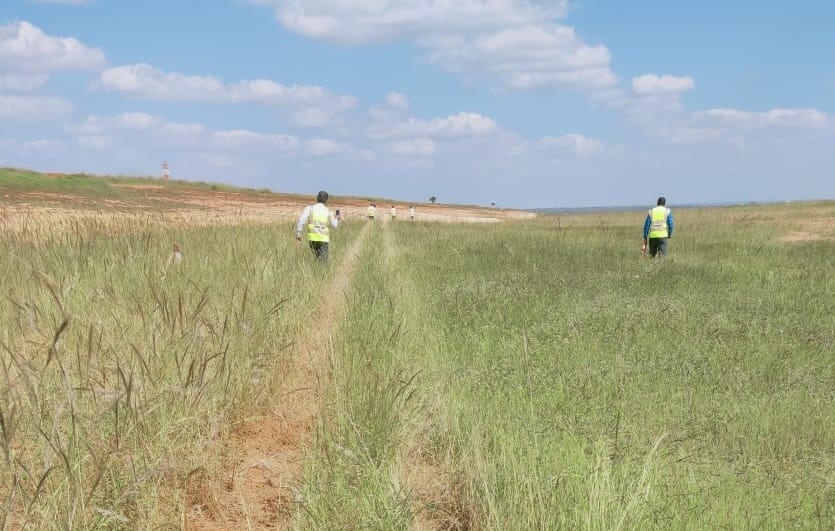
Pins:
<point x="122" y="371"/>
<point x="599" y="390"/>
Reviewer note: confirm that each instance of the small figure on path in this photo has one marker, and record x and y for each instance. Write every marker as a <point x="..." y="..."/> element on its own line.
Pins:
<point x="658" y="227"/>
<point x="319" y="220"/>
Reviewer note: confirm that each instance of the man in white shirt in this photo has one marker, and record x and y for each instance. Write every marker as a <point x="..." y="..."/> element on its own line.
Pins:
<point x="318" y="219"/>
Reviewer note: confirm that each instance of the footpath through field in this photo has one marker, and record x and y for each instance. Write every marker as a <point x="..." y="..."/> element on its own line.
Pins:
<point x="349" y="444"/>
<point x="265" y="465"/>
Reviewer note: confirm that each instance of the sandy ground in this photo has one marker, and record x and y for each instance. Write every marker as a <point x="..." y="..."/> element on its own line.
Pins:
<point x="28" y="211"/>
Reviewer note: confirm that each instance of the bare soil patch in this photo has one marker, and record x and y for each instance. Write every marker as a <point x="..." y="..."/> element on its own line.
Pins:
<point x="264" y="460"/>
<point x="21" y="209"/>
<point x="802" y="236"/>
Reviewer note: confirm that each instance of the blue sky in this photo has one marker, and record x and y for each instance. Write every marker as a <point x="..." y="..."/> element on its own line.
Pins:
<point x="525" y="103"/>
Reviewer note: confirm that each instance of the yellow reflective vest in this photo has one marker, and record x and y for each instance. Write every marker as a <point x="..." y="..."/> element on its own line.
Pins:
<point x="658" y="223"/>
<point x="318" y="229"/>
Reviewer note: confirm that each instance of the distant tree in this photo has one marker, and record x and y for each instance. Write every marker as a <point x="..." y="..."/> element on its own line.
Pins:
<point x="433" y="199"/>
<point x="492" y="204"/>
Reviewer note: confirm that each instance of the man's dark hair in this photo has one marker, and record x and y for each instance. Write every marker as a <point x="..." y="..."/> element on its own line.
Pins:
<point x="322" y="197"/>
<point x="661" y="200"/>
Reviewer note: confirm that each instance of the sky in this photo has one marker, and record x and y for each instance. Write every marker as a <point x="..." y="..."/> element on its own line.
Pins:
<point x="517" y="103"/>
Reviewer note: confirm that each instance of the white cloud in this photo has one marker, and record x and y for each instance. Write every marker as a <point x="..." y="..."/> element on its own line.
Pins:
<point x="177" y="130"/>
<point x="651" y="84"/>
<point x="771" y="118"/>
<point x="243" y="141"/>
<point x="313" y="117"/>
<point x="397" y="101"/>
<point x="528" y="56"/>
<point x="42" y="145"/>
<point x="32" y="107"/>
<point x="514" y="41"/>
<point x="97" y="142"/>
<point x="416" y="147"/>
<point x="574" y="143"/>
<point x="98" y="132"/>
<point x="243" y="138"/>
<point x="137" y="120"/>
<point x="731" y="127"/>
<point x="354" y="22"/>
<point x="25" y="48"/>
<point x="322" y="147"/>
<point x="392" y="110"/>
<point x="699" y="135"/>
<point x="461" y="124"/>
<point x="93" y="125"/>
<point x="22" y="82"/>
<point x="144" y="81"/>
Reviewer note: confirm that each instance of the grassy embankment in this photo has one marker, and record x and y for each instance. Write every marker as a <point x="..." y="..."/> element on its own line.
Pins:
<point x="574" y="385"/>
<point x="96" y="186"/>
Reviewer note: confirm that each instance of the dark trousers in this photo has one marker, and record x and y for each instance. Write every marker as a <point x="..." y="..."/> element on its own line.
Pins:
<point x="320" y="249"/>
<point x="657" y="246"/>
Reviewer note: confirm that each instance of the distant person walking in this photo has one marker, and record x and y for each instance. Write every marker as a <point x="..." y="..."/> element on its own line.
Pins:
<point x="372" y="211"/>
<point x="412" y="213"/>
<point x="318" y="219"/>
<point x="658" y="227"/>
<point x="393" y="213"/>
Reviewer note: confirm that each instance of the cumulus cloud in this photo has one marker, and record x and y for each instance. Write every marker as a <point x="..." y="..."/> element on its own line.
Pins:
<point x="354" y="22"/>
<point x="651" y="84"/>
<point x="243" y="138"/>
<point x="734" y="127"/>
<point x="398" y="101"/>
<point x="324" y="146"/>
<point x="421" y="147"/>
<point x="316" y="106"/>
<point x="25" y="48"/>
<point x="313" y="117"/>
<point x="32" y="107"/>
<point x="457" y="125"/>
<point x="22" y="82"/>
<point x="173" y="132"/>
<point x="514" y="41"/>
<point x="99" y="132"/>
<point x="390" y="111"/>
<point x="96" y="142"/>
<point x="144" y="81"/>
<point x="771" y="118"/>
<point x="93" y="125"/>
<point x="528" y="56"/>
<point x="574" y="143"/>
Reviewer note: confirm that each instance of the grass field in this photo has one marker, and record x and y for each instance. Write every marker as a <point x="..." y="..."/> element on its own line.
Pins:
<point x="520" y="375"/>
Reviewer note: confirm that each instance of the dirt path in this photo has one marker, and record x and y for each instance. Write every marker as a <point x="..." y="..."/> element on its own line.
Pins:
<point x="436" y="495"/>
<point x="265" y="458"/>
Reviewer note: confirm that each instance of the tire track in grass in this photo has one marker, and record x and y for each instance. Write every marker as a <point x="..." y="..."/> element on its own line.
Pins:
<point x="265" y="459"/>
<point x="437" y="494"/>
